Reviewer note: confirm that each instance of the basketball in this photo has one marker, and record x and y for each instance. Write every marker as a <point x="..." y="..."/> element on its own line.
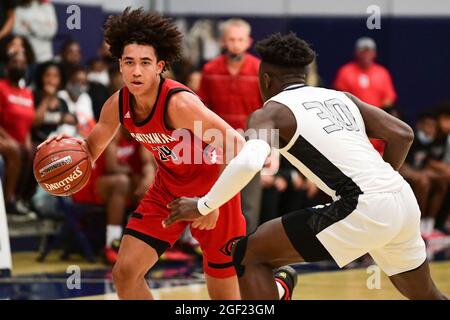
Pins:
<point x="62" y="167"/>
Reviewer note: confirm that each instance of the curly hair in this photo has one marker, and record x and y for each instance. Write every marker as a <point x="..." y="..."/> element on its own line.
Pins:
<point x="285" y="50"/>
<point x="6" y="41"/>
<point x="145" y="28"/>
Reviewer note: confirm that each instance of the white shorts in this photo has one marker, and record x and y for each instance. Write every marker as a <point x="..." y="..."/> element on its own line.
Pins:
<point x="385" y="225"/>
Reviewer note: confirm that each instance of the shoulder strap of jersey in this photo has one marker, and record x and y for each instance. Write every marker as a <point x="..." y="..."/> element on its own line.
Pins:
<point x="123" y="102"/>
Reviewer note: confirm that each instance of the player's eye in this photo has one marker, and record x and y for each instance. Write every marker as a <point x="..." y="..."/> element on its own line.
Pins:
<point x="128" y="63"/>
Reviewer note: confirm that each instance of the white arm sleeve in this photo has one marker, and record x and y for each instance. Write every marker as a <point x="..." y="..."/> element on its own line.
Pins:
<point x="236" y="175"/>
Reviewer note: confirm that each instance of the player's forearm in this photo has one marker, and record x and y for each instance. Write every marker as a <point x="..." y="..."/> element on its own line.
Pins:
<point x="99" y="138"/>
<point x="236" y="175"/>
<point x="397" y="149"/>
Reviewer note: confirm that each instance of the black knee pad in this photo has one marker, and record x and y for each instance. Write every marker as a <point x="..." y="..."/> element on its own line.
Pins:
<point x="238" y="254"/>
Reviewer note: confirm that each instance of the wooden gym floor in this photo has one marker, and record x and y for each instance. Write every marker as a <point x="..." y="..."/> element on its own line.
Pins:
<point x="32" y="280"/>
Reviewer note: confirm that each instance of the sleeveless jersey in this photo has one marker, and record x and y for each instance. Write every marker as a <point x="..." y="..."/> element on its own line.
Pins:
<point x="186" y="165"/>
<point x="330" y="145"/>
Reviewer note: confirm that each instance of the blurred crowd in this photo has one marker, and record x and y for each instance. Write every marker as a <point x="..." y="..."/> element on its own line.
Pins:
<point x="43" y="93"/>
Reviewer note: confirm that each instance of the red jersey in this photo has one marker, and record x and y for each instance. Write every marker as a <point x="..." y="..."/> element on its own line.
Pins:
<point x="232" y="97"/>
<point x="186" y="166"/>
<point x="16" y="110"/>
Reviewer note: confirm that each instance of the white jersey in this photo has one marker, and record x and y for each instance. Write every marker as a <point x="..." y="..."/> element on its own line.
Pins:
<point x="330" y="145"/>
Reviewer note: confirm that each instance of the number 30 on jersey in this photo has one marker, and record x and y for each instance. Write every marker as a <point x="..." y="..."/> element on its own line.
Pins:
<point x="337" y="112"/>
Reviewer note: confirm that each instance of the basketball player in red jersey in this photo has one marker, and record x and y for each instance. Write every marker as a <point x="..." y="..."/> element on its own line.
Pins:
<point x="152" y="109"/>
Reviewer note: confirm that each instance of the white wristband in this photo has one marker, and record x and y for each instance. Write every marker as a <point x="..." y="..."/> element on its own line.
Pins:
<point x="202" y="207"/>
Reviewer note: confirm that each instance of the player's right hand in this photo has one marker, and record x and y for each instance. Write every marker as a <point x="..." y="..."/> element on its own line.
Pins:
<point x="58" y="137"/>
<point x="61" y="136"/>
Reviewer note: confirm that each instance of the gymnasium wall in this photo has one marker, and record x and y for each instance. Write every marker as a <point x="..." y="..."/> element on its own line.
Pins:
<point x="412" y="41"/>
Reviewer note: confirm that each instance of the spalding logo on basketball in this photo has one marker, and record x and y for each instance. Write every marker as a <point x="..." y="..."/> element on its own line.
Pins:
<point x="62" y="167"/>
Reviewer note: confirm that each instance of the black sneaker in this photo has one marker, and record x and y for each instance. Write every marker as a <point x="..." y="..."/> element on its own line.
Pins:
<point x="287" y="277"/>
<point x="10" y="208"/>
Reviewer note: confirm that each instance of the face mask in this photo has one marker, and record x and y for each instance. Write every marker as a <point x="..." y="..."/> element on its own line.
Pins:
<point x="99" y="77"/>
<point x="76" y="90"/>
<point x="15" y="74"/>
<point x="423" y="138"/>
<point x="235" y="57"/>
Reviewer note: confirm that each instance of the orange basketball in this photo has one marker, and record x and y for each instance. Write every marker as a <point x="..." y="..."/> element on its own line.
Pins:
<point x="62" y="167"/>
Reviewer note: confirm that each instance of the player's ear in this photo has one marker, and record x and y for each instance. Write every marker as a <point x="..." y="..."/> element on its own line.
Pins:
<point x="160" y="66"/>
<point x="120" y="65"/>
<point x="266" y="79"/>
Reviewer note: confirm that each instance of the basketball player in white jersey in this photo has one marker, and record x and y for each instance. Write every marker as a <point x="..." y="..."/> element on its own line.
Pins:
<point x="325" y="134"/>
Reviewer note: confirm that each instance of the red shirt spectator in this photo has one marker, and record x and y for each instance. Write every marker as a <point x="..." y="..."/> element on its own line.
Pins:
<point x="230" y="87"/>
<point x="232" y="97"/>
<point x="16" y="120"/>
<point x="16" y="111"/>
<point x="367" y="80"/>
<point x="372" y="85"/>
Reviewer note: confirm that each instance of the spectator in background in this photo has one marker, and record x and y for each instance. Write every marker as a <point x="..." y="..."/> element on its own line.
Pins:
<point x="229" y="86"/>
<point x="437" y="163"/>
<point x="98" y="77"/>
<point x="16" y="120"/>
<point x="70" y="58"/>
<point x="105" y="55"/>
<point x="286" y="190"/>
<point x="184" y="72"/>
<point x="7" y="15"/>
<point x="116" y="80"/>
<point x="78" y="101"/>
<point x="120" y="178"/>
<point x="201" y="42"/>
<point x="429" y="188"/>
<point x="12" y="44"/>
<point x="51" y="111"/>
<point x="98" y="72"/>
<point x="36" y="20"/>
<point x="367" y="80"/>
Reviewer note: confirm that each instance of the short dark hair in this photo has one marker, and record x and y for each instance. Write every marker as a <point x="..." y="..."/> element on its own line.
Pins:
<point x="73" y="70"/>
<point x="443" y="109"/>
<point x="285" y="50"/>
<point x="65" y="46"/>
<point x="146" y="28"/>
<point x="426" y="115"/>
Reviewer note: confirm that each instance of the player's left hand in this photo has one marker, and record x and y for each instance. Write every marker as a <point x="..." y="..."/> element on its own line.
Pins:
<point x="182" y="209"/>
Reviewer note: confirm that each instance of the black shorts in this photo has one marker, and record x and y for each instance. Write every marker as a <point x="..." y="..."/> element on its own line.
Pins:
<point x="302" y="236"/>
